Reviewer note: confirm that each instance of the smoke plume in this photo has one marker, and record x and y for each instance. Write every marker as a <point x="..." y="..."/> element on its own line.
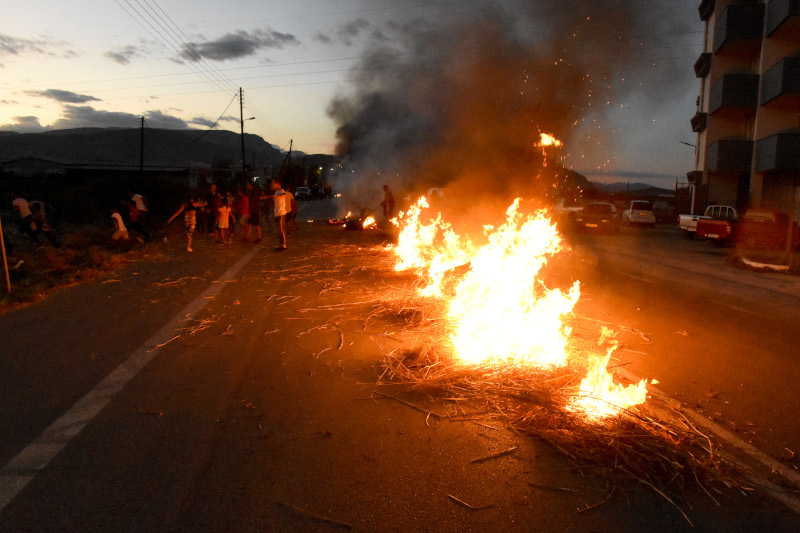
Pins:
<point x="461" y="103"/>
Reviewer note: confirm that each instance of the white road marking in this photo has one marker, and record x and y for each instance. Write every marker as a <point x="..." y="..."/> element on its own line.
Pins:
<point x="23" y="468"/>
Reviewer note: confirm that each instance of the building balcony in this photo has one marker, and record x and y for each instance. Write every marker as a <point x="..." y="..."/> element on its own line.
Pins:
<point x="706" y="9"/>
<point x="779" y="152"/>
<point x="783" y="16"/>
<point x="699" y="122"/>
<point x="703" y="65"/>
<point x="734" y="93"/>
<point x="739" y="29"/>
<point x="729" y="155"/>
<point x="782" y="81"/>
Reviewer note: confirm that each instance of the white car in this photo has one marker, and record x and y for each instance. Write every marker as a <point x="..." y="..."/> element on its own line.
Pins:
<point x="639" y="212"/>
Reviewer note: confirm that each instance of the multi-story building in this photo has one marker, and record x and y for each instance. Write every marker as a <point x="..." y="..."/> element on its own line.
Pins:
<point x="748" y="111"/>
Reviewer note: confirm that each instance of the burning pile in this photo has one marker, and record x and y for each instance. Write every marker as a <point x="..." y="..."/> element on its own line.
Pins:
<point x="499" y="312"/>
<point x="501" y="345"/>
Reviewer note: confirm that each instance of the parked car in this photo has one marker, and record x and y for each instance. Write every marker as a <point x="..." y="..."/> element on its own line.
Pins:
<point x="688" y="223"/>
<point x="302" y="193"/>
<point x="665" y="213"/>
<point x="765" y="228"/>
<point x="720" y="224"/>
<point x="600" y="217"/>
<point x="639" y="212"/>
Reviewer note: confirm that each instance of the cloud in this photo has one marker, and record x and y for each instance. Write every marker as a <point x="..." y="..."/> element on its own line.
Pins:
<point x="237" y="45"/>
<point x="350" y="31"/>
<point x="14" y="46"/>
<point x="321" y="37"/>
<point x="200" y="121"/>
<point x="67" y="97"/>
<point x="124" y="54"/>
<point x="25" y="124"/>
<point x="8" y="102"/>
<point x="88" y="117"/>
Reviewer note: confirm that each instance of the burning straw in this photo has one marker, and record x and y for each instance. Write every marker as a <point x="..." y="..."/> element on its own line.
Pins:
<point x="537" y="368"/>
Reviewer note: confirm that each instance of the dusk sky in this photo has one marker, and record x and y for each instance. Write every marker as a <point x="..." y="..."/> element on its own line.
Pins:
<point x="107" y="62"/>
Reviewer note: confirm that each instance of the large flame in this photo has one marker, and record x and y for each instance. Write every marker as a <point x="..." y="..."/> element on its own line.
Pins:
<point x="499" y="312"/>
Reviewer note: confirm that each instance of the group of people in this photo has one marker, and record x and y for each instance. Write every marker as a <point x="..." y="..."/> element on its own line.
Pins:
<point x="237" y="214"/>
<point x="32" y="221"/>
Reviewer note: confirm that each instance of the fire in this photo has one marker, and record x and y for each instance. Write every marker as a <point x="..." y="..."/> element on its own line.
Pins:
<point x="499" y="312"/>
<point x="545" y="139"/>
<point x="369" y="221"/>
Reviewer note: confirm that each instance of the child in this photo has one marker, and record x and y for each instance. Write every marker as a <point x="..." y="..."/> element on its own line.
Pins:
<point x="120" y="231"/>
<point x="223" y="221"/>
<point x="189" y="210"/>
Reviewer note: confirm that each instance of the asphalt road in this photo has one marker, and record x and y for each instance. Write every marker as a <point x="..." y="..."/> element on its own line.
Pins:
<point x="253" y="415"/>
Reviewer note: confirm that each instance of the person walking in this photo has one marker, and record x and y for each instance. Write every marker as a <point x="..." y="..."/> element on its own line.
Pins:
<point x="212" y="205"/>
<point x="189" y="210"/>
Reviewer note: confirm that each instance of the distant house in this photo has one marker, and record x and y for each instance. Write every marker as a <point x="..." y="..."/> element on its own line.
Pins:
<point x="33" y="166"/>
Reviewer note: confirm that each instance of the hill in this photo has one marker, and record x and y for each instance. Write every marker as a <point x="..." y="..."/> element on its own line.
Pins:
<point x="643" y="189"/>
<point x="162" y="147"/>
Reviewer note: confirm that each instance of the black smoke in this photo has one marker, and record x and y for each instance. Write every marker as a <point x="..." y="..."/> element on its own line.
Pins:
<point x="462" y="102"/>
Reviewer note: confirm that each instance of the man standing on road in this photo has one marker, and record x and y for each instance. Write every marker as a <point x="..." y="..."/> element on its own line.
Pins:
<point x="388" y="203"/>
<point x="254" y="196"/>
<point x="279" y="203"/>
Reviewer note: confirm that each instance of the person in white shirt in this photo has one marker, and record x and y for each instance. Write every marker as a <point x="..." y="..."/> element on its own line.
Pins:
<point x="140" y="201"/>
<point x="281" y="207"/>
<point x="120" y="231"/>
<point x="25" y="216"/>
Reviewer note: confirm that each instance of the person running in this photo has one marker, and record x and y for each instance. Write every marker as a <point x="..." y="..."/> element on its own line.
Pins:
<point x="189" y="210"/>
<point x="223" y="221"/>
<point x="39" y="224"/>
<point x="120" y="231"/>
<point x="25" y="216"/>
<point x="388" y="203"/>
<point x="135" y="221"/>
<point x="141" y="204"/>
<point x="254" y="196"/>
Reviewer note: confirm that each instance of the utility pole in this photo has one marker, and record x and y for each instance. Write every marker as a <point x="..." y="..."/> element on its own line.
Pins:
<point x="241" y="123"/>
<point x="141" y="147"/>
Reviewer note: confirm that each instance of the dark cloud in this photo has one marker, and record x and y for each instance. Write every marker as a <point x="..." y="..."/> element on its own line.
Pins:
<point x="13" y="46"/>
<point x="200" y="121"/>
<point x="88" y="117"/>
<point x="321" y="37"/>
<point x="67" y="97"/>
<point x="350" y="31"/>
<point x="25" y="124"/>
<point x="124" y="54"/>
<point x="236" y="45"/>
